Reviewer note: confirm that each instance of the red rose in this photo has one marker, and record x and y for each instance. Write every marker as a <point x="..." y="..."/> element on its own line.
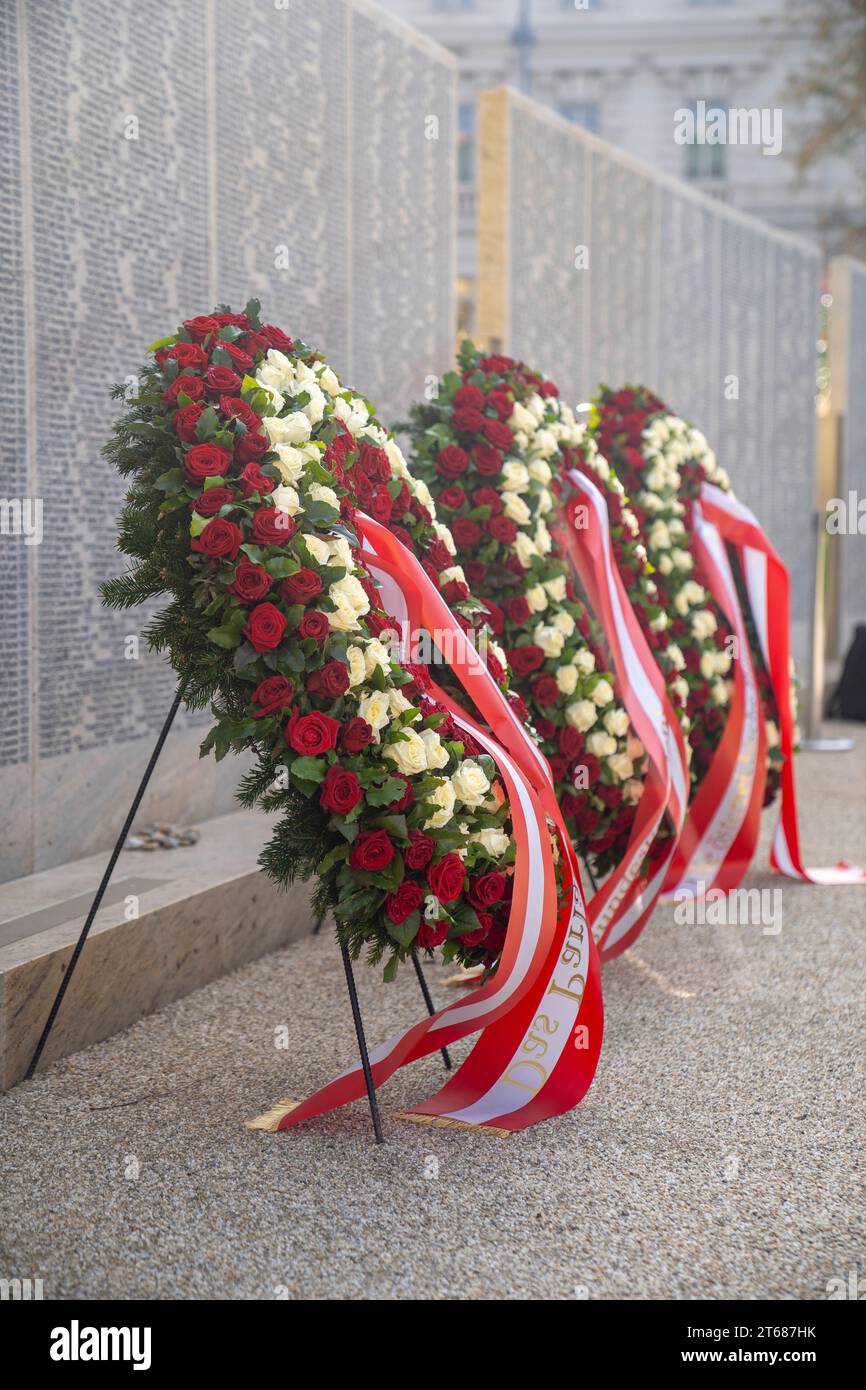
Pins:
<point x="487" y="889"/>
<point x="357" y="735"/>
<point x="497" y="433"/>
<point x="495" y="616"/>
<point x="372" y="850"/>
<point x="341" y="790"/>
<point x="186" y="420"/>
<point x="265" y="627"/>
<point x="188" y="356"/>
<point x="236" y="408"/>
<point x="488" y="461"/>
<point x="330" y="681"/>
<point x="451" y="461"/>
<point x="254" y="480"/>
<point x="469" y="395"/>
<point x="487" y="497"/>
<point x="272" y="527"/>
<point x="502" y="528"/>
<point x="272" y="695"/>
<point x="467" y="419"/>
<point x="455" y="592"/>
<point x="440" y="556"/>
<point x="518" y="610"/>
<point x="545" y="691"/>
<point x="200" y="327"/>
<point x="374" y="462"/>
<point x="238" y="320"/>
<point x="431" y="934"/>
<point x="501" y="403"/>
<point x="191" y="386"/>
<point x="314" y="624"/>
<point x="546" y="727"/>
<point x="609" y="796"/>
<point x="251" y="582"/>
<point x="525" y="659"/>
<point x="446" y="877"/>
<point x="381" y="505"/>
<point x="407" y="899"/>
<point x="451" y="497"/>
<point x="250" y="447"/>
<point x="475" y="938"/>
<point x="476" y="572"/>
<point x="301" y="587"/>
<point x="210" y="501"/>
<point x="277" y="338"/>
<point x="220" y="540"/>
<point x="254" y="343"/>
<point x="406" y="797"/>
<point x="558" y="767"/>
<point x="206" y="461"/>
<point x="466" y="532"/>
<point x="570" y="742"/>
<point x="420" y="850"/>
<point x="313" y="733"/>
<point x="220" y="380"/>
<point x="591" y="765"/>
<point x="240" y="359"/>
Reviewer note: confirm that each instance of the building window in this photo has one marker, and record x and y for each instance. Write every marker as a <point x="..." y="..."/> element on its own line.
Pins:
<point x="466" y="141"/>
<point x="454" y="4"/>
<point x="584" y="113"/>
<point x="704" y="161"/>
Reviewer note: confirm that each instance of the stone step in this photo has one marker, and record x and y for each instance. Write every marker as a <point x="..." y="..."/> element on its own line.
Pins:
<point x="170" y="921"/>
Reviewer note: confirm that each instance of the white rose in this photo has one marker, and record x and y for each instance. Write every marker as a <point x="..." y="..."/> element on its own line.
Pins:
<point x="291" y="462"/>
<point x="522" y="419"/>
<point x="682" y="559"/>
<point x="288" y="429"/>
<point x="445" y="537"/>
<point x="328" y="379"/>
<point x="634" y="748"/>
<point x="675" y="657"/>
<point x="601" y="744"/>
<point x="566" y="679"/>
<point x="375" y="654"/>
<point x="325" y="494"/>
<point x="350" y="603"/>
<point x="551" y="640"/>
<point x="340" y="552"/>
<point x="703" y="624"/>
<point x="564" y="622"/>
<point x="584" y="661"/>
<point x="437" y="755"/>
<point x="616" y="722"/>
<point x="285" y="499"/>
<point x="375" y="708"/>
<point x="659" y="536"/>
<point x="708" y="665"/>
<point x="514" y="476"/>
<point x="621" y="766"/>
<point x="318" y="549"/>
<point x="470" y="783"/>
<point x="680" y="689"/>
<point x="398" y="703"/>
<point x="602" y="694"/>
<point x="665" y="564"/>
<point x="723" y="663"/>
<point x="410" y="753"/>
<point x="719" y="692"/>
<point x="540" y="471"/>
<point x="443" y="799"/>
<point x="545" y="501"/>
<point x="536" y="598"/>
<point x="422" y="493"/>
<point x="395" y="457"/>
<point x="454" y="574"/>
<point x="544" y="444"/>
<point x="494" y="842"/>
<point x="353" y="413"/>
<point x="556" y="588"/>
<point x="314" y="408"/>
<point x="581" y="715"/>
<point x="542" y="537"/>
<point x="524" y="549"/>
<point x="515" y="508"/>
<point x="357" y="665"/>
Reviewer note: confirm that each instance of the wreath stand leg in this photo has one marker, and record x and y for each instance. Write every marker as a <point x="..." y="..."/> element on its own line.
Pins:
<point x="431" y="1008"/>
<point x="362" y="1045"/>
<point x="109" y="870"/>
<point x="590" y="875"/>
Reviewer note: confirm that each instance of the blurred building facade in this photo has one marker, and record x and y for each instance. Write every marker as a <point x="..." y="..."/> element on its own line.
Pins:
<point x="622" y="69"/>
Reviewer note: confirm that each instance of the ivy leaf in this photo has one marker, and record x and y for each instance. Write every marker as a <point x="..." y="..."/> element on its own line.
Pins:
<point x="404" y="932"/>
<point x="170" y="482"/>
<point x="309" y="769"/>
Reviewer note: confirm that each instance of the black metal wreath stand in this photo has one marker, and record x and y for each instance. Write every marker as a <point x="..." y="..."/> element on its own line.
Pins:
<point x="100" y="893"/>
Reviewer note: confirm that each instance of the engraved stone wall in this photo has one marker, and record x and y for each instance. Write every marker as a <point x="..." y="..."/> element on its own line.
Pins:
<point x="157" y="158"/>
<point x="618" y="274"/>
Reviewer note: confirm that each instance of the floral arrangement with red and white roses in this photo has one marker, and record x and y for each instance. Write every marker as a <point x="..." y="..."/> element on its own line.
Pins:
<point x="489" y="446"/>
<point x="248" y="459"/>
<point x="662" y="460"/>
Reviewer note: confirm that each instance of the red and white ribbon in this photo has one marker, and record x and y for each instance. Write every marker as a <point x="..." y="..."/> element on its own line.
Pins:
<point x="768" y="588"/>
<point x="541" y="1013"/>
<point x="621" y="907"/>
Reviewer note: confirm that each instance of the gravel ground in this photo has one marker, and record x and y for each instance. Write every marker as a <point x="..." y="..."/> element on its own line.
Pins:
<point x="716" y="1155"/>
